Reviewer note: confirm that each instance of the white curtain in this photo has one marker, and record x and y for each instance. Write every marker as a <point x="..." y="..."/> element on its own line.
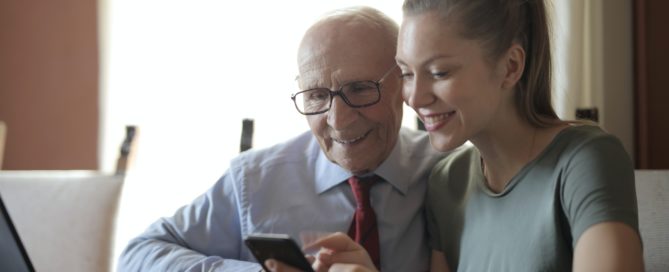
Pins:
<point x="592" y="45"/>
<point x="568" y="51"/>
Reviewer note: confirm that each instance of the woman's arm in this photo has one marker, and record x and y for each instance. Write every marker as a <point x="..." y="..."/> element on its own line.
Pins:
<point x="599" y="200"/>
<point x="608" y="246"/>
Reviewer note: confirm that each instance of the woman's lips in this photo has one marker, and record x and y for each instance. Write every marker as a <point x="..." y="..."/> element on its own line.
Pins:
<point x="433" y="122"/>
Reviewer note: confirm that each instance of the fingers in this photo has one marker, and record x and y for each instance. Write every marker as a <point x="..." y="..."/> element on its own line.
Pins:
<point x="320" y="267"/>
<point x="339" y="248"/>
<point x="349" y="268"/>
<point x="336" y="242"/>
<point x="276" y="266"/>
<point x="344" y="267"/>
<point x="359" y="257"/>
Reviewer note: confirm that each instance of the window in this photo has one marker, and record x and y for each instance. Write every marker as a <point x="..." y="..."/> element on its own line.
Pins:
<point x="186" y="72"/>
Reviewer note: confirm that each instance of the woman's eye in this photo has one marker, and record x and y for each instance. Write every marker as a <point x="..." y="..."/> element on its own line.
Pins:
<point x="439" y="74"/>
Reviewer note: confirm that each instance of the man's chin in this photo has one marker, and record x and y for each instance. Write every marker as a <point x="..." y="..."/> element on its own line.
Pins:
<point x="360" y="165"/>
<point x="357" y="170"/>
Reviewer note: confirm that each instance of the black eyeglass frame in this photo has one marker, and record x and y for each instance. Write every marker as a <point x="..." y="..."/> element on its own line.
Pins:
<point x="341" y="94"/>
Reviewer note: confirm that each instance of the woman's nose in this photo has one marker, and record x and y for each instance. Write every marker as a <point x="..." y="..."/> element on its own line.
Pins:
<point x="416" y="93"/>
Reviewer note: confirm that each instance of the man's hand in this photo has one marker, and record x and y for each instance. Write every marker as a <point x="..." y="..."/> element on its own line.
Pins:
<point x="337" y="252"/>
<point x="276" y="266"/>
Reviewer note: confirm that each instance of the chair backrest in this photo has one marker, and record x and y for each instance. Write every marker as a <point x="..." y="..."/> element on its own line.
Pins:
<point x="66" y="219"/>
<point x="652" y="189"/>
<point x="3" y="137"/>
<point x="127" y="149"/>
<point x="246" y="141"/>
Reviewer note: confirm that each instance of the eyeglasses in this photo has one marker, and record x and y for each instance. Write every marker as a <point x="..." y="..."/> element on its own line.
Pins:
<point x="357" y="94"/>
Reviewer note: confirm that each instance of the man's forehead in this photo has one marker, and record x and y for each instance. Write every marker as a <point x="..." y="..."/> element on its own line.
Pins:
<point x="334" y="41"/>
<point x="332" y="72"/>
<point x="315" y="75"/>
<point x="331" y="60"/>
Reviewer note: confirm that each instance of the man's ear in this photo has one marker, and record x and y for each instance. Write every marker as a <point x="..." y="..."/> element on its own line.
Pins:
<point x="514" y="64"/>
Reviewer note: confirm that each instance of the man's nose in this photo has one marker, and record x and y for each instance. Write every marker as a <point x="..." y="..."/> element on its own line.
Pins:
<point x="340" y="114"/>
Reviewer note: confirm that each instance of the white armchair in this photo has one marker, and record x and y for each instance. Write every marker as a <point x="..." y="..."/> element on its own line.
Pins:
<point x="66" y="219"/>
<point x="652" y="189"/>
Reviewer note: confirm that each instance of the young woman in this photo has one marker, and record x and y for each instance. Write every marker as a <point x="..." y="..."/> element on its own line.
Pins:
<point x="533" y="193"/>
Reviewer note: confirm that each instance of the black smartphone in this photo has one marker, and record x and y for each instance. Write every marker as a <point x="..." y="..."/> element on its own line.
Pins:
<point x="279" y="247"/>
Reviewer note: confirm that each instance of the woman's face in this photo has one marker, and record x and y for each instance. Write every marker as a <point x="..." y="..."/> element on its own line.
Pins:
<point x="447" y="80"/>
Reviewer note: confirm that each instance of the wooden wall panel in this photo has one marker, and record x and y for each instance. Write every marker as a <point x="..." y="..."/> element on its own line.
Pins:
<point x="652" y="83"/>
<point x="49" y="83"/>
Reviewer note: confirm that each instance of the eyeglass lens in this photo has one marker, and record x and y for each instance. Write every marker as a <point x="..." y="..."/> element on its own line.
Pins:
<point x="355" y="94"/>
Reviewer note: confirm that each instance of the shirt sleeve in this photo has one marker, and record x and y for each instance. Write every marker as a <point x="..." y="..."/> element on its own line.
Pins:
<point x="202" y="236"/>
<point x="598" y="186"/>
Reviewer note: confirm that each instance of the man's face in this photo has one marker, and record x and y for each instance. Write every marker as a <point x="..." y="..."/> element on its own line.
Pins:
<point x="357" y="139"/>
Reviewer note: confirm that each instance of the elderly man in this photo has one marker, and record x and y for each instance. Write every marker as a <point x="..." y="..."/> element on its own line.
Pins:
<point x="350" y="94"/>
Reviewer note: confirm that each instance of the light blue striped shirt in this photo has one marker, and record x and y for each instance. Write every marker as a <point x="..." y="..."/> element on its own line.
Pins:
<point x="290" y="188"/>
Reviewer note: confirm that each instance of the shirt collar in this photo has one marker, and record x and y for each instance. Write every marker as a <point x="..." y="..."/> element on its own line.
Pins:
<point x="329" y="175"/>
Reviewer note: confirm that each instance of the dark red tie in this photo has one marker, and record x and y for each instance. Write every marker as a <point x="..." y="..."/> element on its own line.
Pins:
<point x="364" y="229"/>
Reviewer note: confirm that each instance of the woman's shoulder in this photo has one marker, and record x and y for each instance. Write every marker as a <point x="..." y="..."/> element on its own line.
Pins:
<point x="585" y="145"/>
<point x="577" y="137"/>
<point x="458" y="163"/>
<point x="585" y="131"/>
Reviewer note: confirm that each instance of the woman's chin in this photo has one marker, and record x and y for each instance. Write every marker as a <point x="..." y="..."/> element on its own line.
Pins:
<point x="445" y="143"/>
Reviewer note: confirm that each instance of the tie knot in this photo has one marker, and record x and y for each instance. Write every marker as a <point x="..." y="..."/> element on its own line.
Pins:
<point x="361" y="187"/>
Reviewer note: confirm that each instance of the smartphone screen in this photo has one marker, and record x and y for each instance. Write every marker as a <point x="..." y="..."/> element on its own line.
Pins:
<point x="279" y="247"/>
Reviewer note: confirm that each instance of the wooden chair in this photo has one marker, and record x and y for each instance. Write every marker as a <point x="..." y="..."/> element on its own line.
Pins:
<point x="128" y="144"/>
<point x="246" y="141"/>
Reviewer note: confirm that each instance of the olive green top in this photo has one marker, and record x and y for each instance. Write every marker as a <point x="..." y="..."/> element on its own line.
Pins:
<point x="583" y="177"/>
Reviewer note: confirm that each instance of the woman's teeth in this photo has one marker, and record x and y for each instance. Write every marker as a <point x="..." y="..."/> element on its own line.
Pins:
<point x="433" y="119"/>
